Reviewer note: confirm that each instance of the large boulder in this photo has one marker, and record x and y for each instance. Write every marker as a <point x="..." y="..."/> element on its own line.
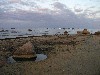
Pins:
<point x="79" y="32"/>
<point x="97" y="33"/>
<point x="85" y="31"/>
<point x="25" y="52"/>
<point x="65" y="33"/>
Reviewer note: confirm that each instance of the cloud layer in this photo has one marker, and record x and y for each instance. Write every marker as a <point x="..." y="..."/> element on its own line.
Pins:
<point x="24" y="13"/>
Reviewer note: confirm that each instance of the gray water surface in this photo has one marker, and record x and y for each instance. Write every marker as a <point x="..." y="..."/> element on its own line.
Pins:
<point x="10" y="60"/>
<point x="40" y="57"/>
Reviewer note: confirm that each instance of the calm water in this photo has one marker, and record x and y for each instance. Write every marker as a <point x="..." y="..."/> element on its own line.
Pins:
<point x="40" y="57"/>
<point x="10" y="60"/>
<point x="13" y="33"/>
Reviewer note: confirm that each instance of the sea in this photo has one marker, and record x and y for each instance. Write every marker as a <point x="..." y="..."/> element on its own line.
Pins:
<point x="17" y="32"/>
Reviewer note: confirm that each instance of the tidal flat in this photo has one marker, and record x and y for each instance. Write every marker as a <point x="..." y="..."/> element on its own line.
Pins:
<point x="66" y="55"/>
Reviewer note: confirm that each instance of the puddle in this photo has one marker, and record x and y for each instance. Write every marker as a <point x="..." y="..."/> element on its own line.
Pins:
<point x="39" y="58"/>
<point x="10" y="60"/>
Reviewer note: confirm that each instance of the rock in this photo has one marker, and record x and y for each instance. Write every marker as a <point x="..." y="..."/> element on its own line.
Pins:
<point x="2" y="63"/>
<point x="79" y="32"/>
<point x="97" y="33"/>
<point x="65" y="33"/>
<point x="25" y="52"/>
<point x="85" y="31"/>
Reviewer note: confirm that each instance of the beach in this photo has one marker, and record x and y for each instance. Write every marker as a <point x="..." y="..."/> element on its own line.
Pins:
<point x="66" y="55"/>
<point x="49" y="37"/>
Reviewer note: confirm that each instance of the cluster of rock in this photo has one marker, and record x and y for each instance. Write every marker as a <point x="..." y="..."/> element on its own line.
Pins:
<point x="65" y="33"/>
<point x="2" y="63"/>
<point x="84" y="32"/>
<point x="97" y="33"/>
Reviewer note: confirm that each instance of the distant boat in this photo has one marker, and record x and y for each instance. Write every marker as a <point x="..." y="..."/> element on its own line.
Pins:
<point x="12" y="28"/>
<point x="29" y="30"/>
<point x="46" y="31"/>
<point x="13" y="31"/>
<point x="4" y="31"/>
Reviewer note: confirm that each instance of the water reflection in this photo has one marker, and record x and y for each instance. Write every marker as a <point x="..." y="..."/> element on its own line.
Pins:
<point x="10" y="60"/>
<point x="40" y="57"/>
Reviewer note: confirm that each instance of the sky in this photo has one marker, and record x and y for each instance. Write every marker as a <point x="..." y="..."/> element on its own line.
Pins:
<point x="50" y="13"/>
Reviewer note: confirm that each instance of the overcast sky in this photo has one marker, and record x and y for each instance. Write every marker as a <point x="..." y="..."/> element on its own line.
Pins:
<point x="50" y="13"/>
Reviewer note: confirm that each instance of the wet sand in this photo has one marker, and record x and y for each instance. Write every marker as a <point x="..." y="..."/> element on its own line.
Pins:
<point x="66" y="55"/>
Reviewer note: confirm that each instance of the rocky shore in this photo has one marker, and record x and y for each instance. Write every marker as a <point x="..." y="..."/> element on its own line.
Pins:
<point x="66" y="55"/>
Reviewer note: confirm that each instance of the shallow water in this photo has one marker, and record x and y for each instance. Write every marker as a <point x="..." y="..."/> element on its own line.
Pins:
<point x="10" y="60"/>
<point x="40" y="31"/>
<point x="40" y="57"/>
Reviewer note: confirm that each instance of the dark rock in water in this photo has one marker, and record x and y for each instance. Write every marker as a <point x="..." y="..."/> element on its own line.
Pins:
<point x="25" y="52"/>
<point x="29" y="30"/>
<point x="65" y="33"/>
<point x="12" y="28"/>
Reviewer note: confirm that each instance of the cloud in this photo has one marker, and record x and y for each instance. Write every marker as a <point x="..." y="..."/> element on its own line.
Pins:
<point x="95" y="14"/>
<point x="59" y="5"/>
<point x="7" y="2"/>
<point x="90" y="12"/>
<point x="78" y="8"/>
<point x="89" y="9"/>
<point x="28" y="3"/>
<point x="33" y="19"/>
<point x="45" y="17"/>
<point x="3" y="2"/>
<point x="14" y="1"/>
<point x="55" y="0"/>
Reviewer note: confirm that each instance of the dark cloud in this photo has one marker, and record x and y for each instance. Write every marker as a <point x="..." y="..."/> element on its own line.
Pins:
<point x="78" y="10"/>
<point x="59" y="5"/>
<point x="45" y="17"/>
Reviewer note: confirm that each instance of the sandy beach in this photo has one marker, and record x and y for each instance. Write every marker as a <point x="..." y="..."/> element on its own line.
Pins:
<point x="66" y="55"/>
